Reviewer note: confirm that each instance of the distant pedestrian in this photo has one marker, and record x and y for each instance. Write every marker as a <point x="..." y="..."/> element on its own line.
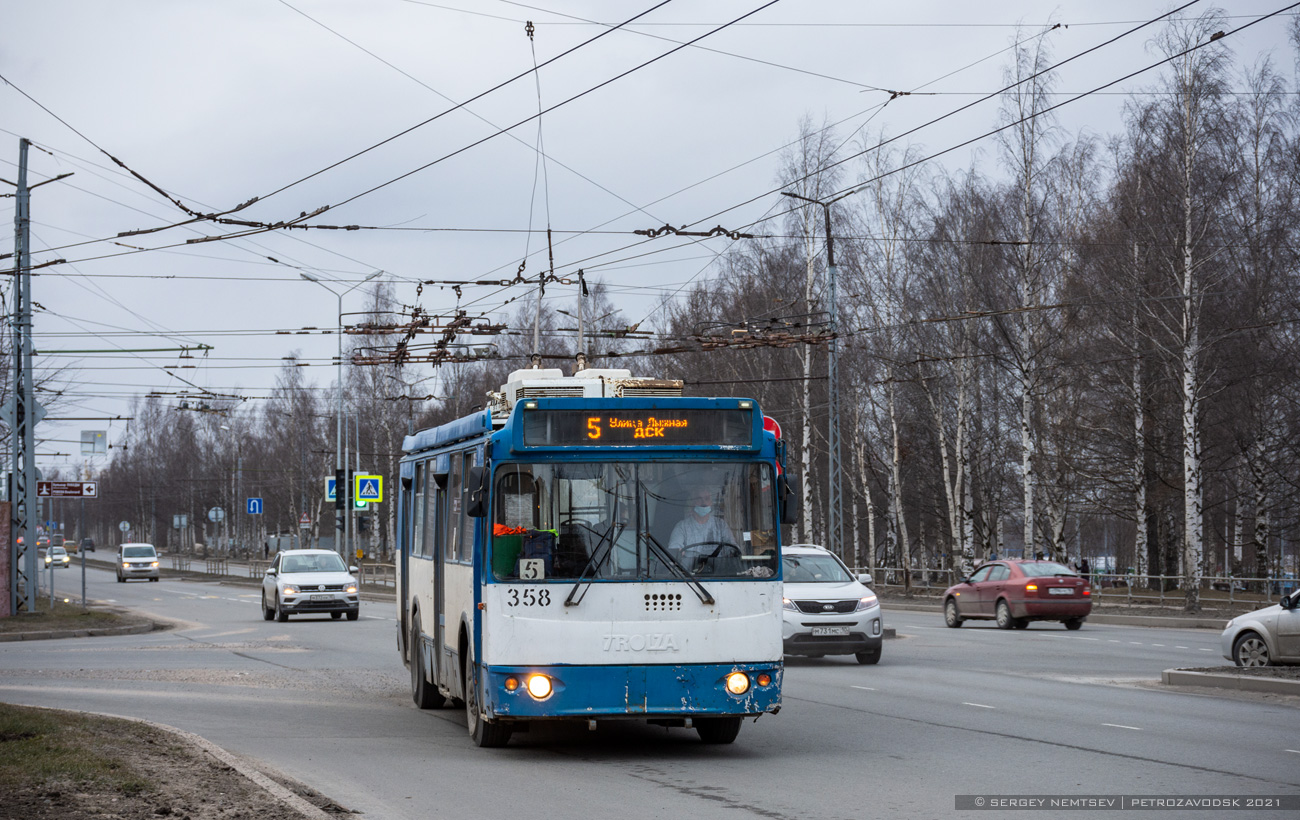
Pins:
<point x="266" y="550"/>
<point x="1083" y="567"/>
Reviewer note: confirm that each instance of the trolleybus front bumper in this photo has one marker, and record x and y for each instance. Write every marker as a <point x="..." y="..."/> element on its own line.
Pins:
<point x="590" y="692"/>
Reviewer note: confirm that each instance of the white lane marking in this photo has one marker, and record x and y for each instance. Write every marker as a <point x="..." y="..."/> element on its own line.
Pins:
<point x="1135" y="643"/>
<point x="980" y="705"/>
<point x="1292" y="751"/>
<point x="1181" y="647"/>
<point x="1203" y="649"/>
<point x="1112" y="640"/>
<point x="1162" y="646"/>
<point x="868" y="688"/>
<point x="1121" y="726"/>
<point x="1077" y="638"/>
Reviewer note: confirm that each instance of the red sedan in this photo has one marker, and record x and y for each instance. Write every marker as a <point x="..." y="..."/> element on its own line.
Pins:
<point x="1014" y="592"/>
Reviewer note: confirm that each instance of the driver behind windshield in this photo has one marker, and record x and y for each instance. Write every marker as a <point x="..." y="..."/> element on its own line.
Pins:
<point x="702" y="530"/>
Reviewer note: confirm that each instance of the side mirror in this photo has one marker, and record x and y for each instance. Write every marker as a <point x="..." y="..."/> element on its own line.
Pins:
<point x="865" y="579"/>
<point x="476" y="487"/>
<point x="270" y="570"/>
<point x="352" y="570"/>
<point x="787" y="489"/>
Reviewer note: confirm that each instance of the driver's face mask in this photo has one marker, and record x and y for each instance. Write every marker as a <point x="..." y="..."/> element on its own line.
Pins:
<point x="703" y="511"/>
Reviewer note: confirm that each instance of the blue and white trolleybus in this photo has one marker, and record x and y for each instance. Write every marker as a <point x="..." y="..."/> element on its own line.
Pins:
<point x="594" y="547"/>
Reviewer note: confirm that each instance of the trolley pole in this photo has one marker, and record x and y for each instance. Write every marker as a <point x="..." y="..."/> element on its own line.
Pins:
<point x="834" y="497"/>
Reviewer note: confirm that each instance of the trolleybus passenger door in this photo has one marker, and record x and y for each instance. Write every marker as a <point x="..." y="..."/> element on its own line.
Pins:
<point x="438" y="521"/>
<point x="408" y="498"/>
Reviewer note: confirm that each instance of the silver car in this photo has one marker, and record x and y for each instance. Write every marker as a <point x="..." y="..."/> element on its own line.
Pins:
<point x="305" y="582"/>
<point x="137" y="561"/>
<point x="827" y="611"/>
<point x="1267" y="636"/>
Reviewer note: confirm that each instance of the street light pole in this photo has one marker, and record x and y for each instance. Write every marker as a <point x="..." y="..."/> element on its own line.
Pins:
<point x="834" y="505"/>
<point x="339" y="473"/>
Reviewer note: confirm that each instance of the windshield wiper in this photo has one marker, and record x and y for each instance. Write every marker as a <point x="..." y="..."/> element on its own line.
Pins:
<point x="678" y="570"/>
<point x="598" y="556"/>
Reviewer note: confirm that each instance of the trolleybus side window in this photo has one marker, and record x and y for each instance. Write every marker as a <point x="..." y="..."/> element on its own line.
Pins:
<point x="455" y="503"/>
<point x="415" y="498"/>
<point x="628" y="521"/>
<point x="465" y="546"/>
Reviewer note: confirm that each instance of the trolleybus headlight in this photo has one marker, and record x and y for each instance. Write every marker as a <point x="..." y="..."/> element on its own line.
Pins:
<point x="737" y="683"/>
<point x="539" y="686"/>
<point x="764" y="679"/>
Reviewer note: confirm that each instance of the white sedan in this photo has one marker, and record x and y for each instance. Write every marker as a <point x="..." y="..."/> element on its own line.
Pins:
<point x="1267" y="636"/>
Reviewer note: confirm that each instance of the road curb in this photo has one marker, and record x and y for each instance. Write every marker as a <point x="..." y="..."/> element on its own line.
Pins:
<point x="54" y="634"/>
<point x="1242" y="683"/>
<point x="281" y="794"/>
<point x="1165" y="621"/>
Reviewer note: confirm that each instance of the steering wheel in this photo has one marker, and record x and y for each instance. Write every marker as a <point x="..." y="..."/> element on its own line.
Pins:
<point x="723" y="548"/>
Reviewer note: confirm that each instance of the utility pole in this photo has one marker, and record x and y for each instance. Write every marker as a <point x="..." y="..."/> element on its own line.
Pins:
<point x="340" y="463"/>
<point x="834" y="498"/>
<point x="23" y="592"/>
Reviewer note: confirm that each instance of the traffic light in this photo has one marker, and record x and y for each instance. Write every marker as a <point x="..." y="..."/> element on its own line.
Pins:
<point x="363" y="523"/>
<point x="342" y="489"/>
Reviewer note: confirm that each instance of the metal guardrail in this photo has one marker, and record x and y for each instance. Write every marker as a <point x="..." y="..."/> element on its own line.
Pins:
<point x="378" y="574"/>
<point x="216" y="566"/>
<point x="1159" y="590"/>
<point x="181" y="563"/>
<point x="256" y="569"/>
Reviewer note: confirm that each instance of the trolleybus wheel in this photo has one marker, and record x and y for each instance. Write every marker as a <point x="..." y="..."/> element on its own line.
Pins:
<point x="485" y="733"/>
<point x="425" y="695"/>
<point x="718" y="730"/>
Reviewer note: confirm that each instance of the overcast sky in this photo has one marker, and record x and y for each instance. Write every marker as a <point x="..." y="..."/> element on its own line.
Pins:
<point x="220" y="102"/>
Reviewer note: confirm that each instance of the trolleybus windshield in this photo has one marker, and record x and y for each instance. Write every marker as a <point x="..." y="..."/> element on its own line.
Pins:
<point x="625" y="521"/>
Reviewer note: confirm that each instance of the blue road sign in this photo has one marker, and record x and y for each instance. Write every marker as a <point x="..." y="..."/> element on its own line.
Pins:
<point x="329" y="489"/>
<point x="369" y="488"/>
<point x="254" y="506"/>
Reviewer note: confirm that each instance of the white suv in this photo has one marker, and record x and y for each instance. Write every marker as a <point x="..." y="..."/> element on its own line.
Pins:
<point x="826" y="610"/>
<point x="304" y="582"/>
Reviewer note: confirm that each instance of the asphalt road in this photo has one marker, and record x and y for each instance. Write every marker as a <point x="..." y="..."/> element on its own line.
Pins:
<point x="947" y="712"/>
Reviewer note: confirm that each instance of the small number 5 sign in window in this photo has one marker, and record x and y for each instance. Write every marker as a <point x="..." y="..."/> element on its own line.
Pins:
<point x="532" y="569"/>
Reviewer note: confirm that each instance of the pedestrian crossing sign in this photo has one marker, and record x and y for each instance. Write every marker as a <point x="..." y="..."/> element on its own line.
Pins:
<point x="368" y="488"/>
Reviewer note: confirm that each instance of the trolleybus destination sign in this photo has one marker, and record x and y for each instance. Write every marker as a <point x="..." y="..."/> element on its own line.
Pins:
<point x="673" y="427"/>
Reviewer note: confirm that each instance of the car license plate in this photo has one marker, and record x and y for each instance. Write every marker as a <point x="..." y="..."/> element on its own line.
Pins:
<point x="826" y="631"/>
<point x="1060" y="591"/>
<point x="322" y="597"/>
